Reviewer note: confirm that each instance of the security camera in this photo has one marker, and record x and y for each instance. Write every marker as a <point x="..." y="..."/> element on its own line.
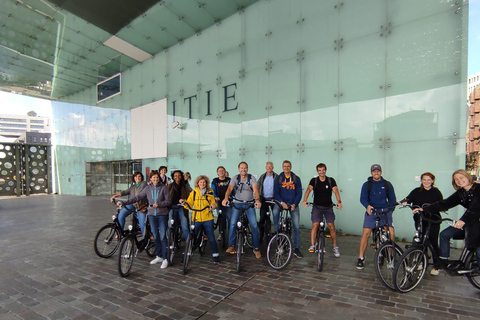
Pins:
<point x="175" y="124"/>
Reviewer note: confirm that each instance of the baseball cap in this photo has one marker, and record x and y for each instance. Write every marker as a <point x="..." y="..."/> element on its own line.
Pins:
<point x="376" y="167"/>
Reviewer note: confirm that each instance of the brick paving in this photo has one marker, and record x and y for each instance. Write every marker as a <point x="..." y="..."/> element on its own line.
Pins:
<point x="48" y="270"/>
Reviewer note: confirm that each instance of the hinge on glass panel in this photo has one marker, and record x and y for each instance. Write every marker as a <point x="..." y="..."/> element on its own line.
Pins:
<point x="300" y="55"/>
<point x="268" y="65"/>
<point x="241" y="73"/>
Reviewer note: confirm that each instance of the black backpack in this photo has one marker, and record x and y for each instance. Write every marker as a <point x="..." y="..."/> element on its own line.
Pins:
<point x="249" y="177"/>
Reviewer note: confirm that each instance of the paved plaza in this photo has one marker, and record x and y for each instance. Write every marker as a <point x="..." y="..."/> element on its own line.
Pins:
<point x="49" y="270"/>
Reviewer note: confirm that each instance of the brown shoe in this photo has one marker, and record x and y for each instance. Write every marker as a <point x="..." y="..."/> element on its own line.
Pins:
<point x="231" y="250"/>
<point x="257" y="253"/>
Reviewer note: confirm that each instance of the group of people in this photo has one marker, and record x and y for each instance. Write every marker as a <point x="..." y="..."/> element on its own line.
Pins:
<point x="162" y="199"/>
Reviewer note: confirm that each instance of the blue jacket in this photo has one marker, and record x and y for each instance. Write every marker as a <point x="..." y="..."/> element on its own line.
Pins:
<point x="289" y="192"/>
<point x="378" y="196"/>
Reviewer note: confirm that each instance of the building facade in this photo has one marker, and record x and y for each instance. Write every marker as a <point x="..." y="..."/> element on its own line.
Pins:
<point x="14" y="126"/>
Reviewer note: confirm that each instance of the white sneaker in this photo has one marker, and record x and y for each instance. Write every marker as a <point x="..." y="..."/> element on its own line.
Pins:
<point x="434" y="272"/>
<point x="336" y="252"/>
<point x="156" y="260"/>
<point x="164" y="264"/>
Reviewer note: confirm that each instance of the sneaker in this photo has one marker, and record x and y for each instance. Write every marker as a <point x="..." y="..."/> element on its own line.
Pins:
<point x="257" y="253"/>
<point x="336" y="252"/>
<point x="360" y="264"/>
<point x="216" y="260"/>
<point x="219" y="237"/>
<point x="297" y="253"/>
<point x="164" y="264"/>
<point x="311" y="249"/>
<point x="231" y="250"/>
<point x="434" y="272"/>
<point x="156" y="260"/>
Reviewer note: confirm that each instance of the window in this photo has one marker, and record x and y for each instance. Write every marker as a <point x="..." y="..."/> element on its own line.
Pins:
<point x="37" y="126"/>
<point x="36" y="121"/>
<point x="13" y="120"/>
<point x="109" y="88"/>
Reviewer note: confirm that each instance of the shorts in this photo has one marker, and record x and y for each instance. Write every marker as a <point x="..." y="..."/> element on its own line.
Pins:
<point x="318" y="212"/>
<point x="370" y="221"/>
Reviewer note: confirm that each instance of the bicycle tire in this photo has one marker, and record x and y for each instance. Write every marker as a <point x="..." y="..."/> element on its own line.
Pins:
<point x="150" y="248"/>
<point x="187" y="254"/>
<point x="267" y="229"/>
<point x="222" y="231"/>
<point x="249" y="236"/>
<point x="172" y="239"/>
<point x="470" y="264"/>
<point x="385" y="260"/>
<point x="107" y="240"/>
<point x="288" y="223"/>
<point x="279" y="251"/>
<point x="410" y="269"/>
<point x="239" y="249"/>
<point x="202" y="245"/>
<point x="126" y="256"/>
<point x="321" y="250"/>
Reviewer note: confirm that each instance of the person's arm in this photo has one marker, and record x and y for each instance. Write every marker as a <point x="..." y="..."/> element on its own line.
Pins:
<point x="167" y="201"/>
<point x="256" y="195"/>
<point x="116" y="195"/>
<point x="392" y="199"/>
<point x="227" y="194"/>
<point x="307" y="193"/>
<point x="337" y="196"/>
<point x="364" y="198"/>
<point x="211" y="201"/>
<point x="298" y="192"/>
<point x="137" y="198"/>
<point x="189" y="201"/>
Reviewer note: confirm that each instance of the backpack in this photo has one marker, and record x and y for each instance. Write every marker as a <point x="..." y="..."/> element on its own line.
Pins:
<point x="249" y="177"/>
<point x="386" y="185"/>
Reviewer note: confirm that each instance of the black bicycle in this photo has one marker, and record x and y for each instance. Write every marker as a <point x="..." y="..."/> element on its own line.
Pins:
<point x="411" y="267"/>
<point x="244" y="234"/>
<point x="194" y="241"/>
<point x="280" y="248"/>
<point x="386" y="250"/>
<point x="175" y="234"/>
<point x="131" y="245"/>
<point x="221" y="225"/>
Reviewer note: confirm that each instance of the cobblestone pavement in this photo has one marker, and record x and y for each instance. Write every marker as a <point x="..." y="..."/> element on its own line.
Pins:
<point x="48" y="269"/>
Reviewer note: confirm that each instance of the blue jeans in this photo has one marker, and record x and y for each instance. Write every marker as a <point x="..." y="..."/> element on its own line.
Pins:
<point x="252" y="220"/>
<point x="226" y="212"/>
<point x="126" y="211"/>
<point x="445" y="236"/>
<point x="159" y="224"/>
<point x="183" y="220"/>
<point x="295" y="215"/>
<point x="208" y="226"/>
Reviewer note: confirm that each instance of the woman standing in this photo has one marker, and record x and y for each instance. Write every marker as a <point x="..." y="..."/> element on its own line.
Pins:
<point x="467" y="195"/>
<point x="179" y="191"/>
<point x="137" y="186"/>
<point x="427" y="193"/>
<point x="163" y="176"/>
<point x="158" y="199"/>
<point x="200" y="198"/>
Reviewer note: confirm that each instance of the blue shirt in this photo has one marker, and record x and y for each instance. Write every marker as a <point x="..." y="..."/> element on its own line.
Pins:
<point x="268" y="186"/>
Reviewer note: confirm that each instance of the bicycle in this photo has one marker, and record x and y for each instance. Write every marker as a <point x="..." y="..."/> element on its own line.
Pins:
<point x="175" y="234"/>
<point x="386" y="250"/>
<point x="222" y="228"/>
<point x="130" y="246"/>
<point x="267" y="224"/>
<point x="411" y="267"/>
<point x="244" y="234"/>
<point x="193" y="241"/>
<point x="280" y="248"/>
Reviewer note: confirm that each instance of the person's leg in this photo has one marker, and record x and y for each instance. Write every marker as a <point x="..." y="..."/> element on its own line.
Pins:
<point x="252" y="220"/>
<point x="330" y="218"/>
<point x="445" y="236"/>
<point x="276" y="214"/>
<point x="208" y="226"/>
<point x="295" y="214"/>
<point x="183" y="215"/>
<point x="163" y="226"/>
<point x="433" y="237"/>
<point x="363" y="242"/>
<point x="232" y="235"/>
<point x="154" y="225"/>
<point x="124" y="213"/>
<point x="141" y="221"/>
<point x="313" y="233"/>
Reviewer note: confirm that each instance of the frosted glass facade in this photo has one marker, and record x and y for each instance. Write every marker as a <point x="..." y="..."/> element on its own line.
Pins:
<point x="348" y="83"/>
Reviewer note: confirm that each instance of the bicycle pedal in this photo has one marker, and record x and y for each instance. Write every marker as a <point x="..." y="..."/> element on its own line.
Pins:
<point x="328" y="236"/>
<point x="373" y="246"/>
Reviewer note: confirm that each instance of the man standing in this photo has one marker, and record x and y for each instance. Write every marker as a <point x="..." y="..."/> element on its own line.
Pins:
<point x="323" y="187"/>
<point x="219" y="187"/>
<point x="378" y="194"/>
<point x="246" y="189"/>
<point x="288" y="192"/>
<point x="265" y="183"/>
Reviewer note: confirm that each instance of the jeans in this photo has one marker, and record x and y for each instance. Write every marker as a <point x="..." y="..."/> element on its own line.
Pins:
<point x="295" y="215"/>
<point x="226" y="212"/>
<point x="252" y="220"/>
<point x="208" y="227"/>
<point x="183" y="220"/>
<point x="126" y="211"/>
<point x="445" y="236"/>
<point x="159" y="224"/>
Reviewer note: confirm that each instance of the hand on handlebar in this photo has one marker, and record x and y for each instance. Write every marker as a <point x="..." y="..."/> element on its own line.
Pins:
<point x="459" y="224"/>
<point x="369" y="210"/>
<point x="119" y="203"/>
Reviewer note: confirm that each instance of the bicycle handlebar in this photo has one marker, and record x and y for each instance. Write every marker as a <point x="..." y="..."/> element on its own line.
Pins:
<point x="251" y="204"/>
<point x="310" y="204"/>
<point x="196" y="210"/>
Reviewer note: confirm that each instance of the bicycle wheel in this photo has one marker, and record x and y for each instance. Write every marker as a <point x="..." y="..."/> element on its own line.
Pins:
<point x="385" y="259"/>
<point x="279" y="251"/>
<point x="268" y="228"/>
<point x="202" y="244"/>
<point x="126" y="256"/>
<point x="222" y="231"/>
<point x="151" y="249"/>
<point x="248" y="236"/>
<point x="472" y="264"/>
<point x="321" y="250"/>
<point x="188" y="253"/>
<point x="171" y="245"/>
<point x="107" y="241"/>
<point x="239" y="250"/>
<point x="410" y="269"/>
<point x="288" y="223"/>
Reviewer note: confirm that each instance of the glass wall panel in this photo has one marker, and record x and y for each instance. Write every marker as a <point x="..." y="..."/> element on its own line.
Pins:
<point x="358" y="19"/>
